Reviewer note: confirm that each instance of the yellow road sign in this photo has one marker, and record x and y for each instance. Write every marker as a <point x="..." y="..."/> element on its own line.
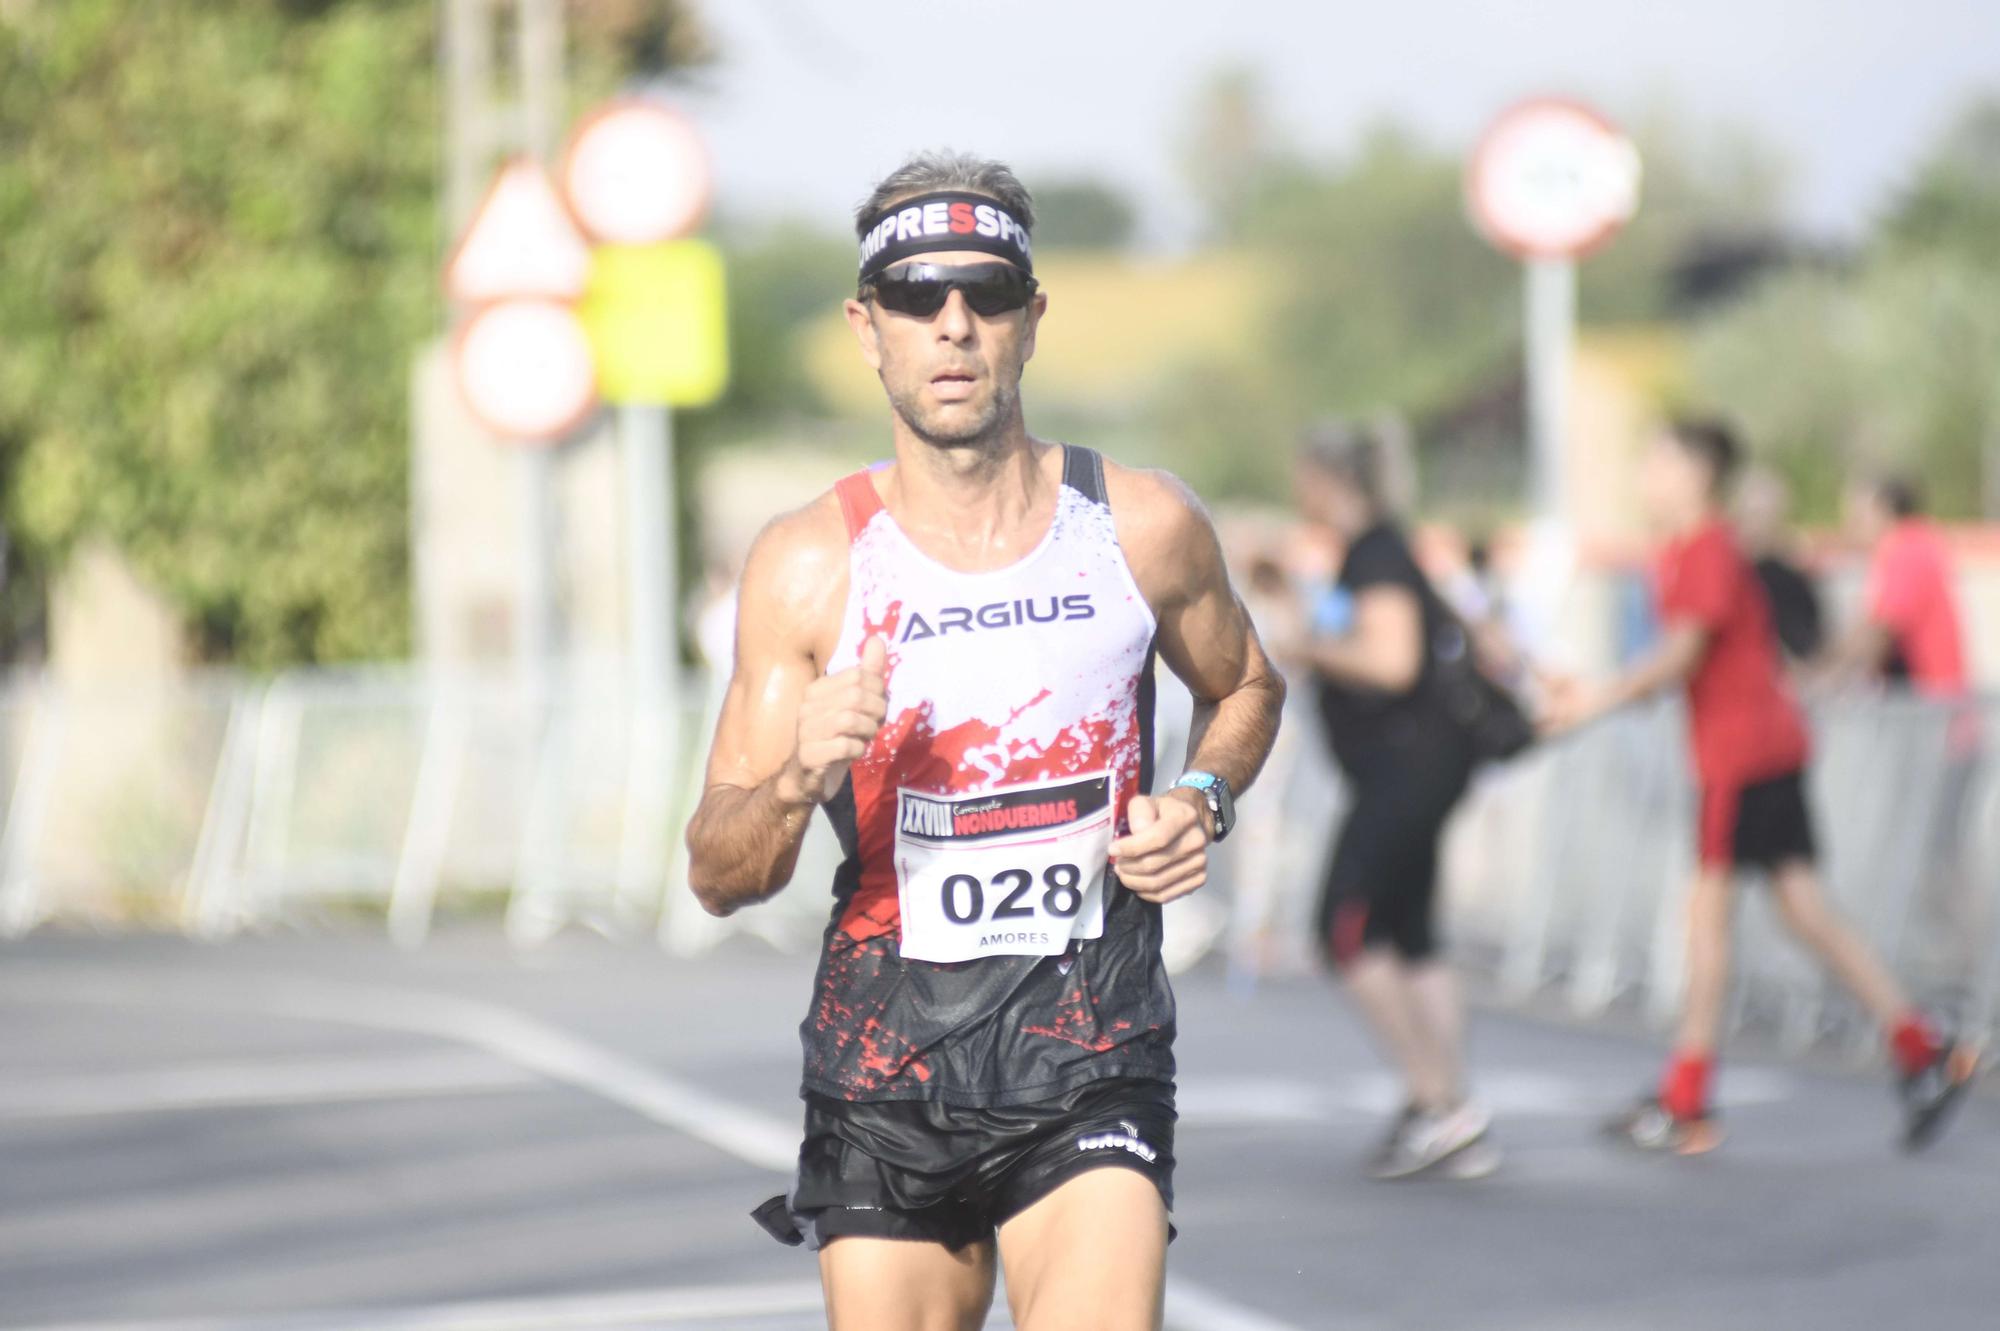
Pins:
<point x="658" y="324"/>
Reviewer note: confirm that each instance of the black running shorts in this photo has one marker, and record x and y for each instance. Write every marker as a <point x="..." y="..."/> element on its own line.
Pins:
<point x="913" y="1169"/>
<point x="1758" y="826"/>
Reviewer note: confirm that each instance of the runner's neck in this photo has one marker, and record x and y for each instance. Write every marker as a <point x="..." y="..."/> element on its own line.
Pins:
<point x="974" y="511"/>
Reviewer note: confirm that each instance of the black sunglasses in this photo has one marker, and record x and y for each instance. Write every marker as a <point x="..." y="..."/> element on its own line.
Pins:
<point x="921" y="289"/>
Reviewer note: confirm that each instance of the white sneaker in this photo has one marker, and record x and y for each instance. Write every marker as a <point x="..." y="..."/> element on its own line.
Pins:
<point x="1423" y="1142"/>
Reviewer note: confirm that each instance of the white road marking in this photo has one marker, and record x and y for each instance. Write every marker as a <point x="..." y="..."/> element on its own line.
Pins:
<point x="697" y="1305"/>
<point x="513" y="1036"/>
<point x="1509" y="1093"/>
<point x="266" y="1082"/>
<point x="747" y="1134"/>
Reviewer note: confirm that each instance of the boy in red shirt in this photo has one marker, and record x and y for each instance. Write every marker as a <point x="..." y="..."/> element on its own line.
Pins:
<point x="1750" y="750"/>
<point x="1909" y="630"/>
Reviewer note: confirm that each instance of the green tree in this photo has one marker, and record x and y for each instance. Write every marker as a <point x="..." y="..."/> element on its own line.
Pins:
<point x="221" y="225"/>
<point x="1953" y="205"/>
<point x="1229" y="143"/>
<point x="223" y="238"/>
<point x="1082" y="214"/>
<point x="1716" y="185"/>
<point x="1892" y="360"/>
<point x="1895" y="365"/>
<point x="1389" y="301"/>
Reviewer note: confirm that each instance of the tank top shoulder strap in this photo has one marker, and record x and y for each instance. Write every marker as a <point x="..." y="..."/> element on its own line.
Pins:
<point x="1083" y="472"/>
<point x="858" y="501"/>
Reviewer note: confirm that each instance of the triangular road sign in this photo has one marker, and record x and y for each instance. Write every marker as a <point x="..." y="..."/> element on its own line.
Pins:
<point x="521" y="243"/>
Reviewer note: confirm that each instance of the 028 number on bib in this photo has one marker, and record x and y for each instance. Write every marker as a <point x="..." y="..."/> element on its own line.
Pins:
<point x="1012" y="872"/>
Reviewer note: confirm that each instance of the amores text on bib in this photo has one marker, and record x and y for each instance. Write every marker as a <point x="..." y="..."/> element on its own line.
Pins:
<point x="1018" y="871"/>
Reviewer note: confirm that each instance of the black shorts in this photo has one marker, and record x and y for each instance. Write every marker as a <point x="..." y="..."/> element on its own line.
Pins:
<point x="1381" y="889"/>
<point x="916" y="1169"/>
<point x="1758" y="826"/>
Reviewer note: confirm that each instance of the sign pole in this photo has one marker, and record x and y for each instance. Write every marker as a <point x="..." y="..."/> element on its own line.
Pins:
<point x="540" y="42"/>
<point x="1550" y="337"/>
<point x="645" y="436"/>
<point x="637" y="179"/>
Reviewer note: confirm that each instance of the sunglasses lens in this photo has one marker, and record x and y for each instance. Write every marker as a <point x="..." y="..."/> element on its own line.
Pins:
<point x="921" y="290"/>
<point x="917" y="296"/>
<point x="996" y="293"/>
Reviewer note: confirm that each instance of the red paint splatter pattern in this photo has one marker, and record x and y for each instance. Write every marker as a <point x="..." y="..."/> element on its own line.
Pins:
<point x="994" y="705"/>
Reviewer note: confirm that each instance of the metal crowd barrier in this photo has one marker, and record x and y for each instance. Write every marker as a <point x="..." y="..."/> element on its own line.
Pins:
<point x="227" y="803"/>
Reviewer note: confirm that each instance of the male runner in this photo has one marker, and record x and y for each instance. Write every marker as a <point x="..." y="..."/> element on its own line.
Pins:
<point x="952" y="652"/>
<point x="1750" y="751"/>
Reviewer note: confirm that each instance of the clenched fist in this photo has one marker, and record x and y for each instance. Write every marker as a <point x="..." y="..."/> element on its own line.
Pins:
<point x="1165" y="854"/>
<point x="838" y="715"/>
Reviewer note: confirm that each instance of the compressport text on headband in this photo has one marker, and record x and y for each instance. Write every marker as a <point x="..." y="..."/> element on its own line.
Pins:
<point x="944" y="220"/>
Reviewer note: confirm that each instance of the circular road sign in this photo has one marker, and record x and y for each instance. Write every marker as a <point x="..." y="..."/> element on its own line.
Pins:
<point x="636" y="173"/>
<point x="525" y="369"/>
<point x="1552" y="179"/>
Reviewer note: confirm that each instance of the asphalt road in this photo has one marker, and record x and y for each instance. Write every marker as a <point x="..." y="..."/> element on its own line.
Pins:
<point x="321" y="1132"/>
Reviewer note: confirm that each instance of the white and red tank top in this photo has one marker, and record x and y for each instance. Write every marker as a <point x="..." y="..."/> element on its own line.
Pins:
<point x="980" y="950"/>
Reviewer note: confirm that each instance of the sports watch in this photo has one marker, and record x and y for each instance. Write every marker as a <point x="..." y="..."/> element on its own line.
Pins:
<point x="1221" y="804"/>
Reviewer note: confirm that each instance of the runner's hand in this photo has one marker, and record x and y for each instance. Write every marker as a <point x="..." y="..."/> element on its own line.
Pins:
<point x="1166" y="853"/>
<point x="838" y="715"/>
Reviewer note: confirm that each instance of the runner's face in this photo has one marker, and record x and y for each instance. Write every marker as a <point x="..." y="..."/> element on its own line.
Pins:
<point x="955" y="377"/>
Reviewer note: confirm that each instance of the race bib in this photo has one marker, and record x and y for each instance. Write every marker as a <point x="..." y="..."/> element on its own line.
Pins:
<point x="1018" y="871"/>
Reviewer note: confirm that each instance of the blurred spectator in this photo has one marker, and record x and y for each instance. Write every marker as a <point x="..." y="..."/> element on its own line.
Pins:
<point x="1750" y="750"/>
<point x="1763" y="524"/>
<point x="1909" y="626"/>
<point x="1909" y="636"/>
<point x="1369" y="644"/>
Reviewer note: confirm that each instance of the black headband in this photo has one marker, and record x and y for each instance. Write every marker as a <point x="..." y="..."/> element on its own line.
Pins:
<point x="943" y="220"/>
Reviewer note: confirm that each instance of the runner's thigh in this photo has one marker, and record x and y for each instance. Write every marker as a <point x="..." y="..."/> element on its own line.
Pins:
<point x="905" y="1285"/>
<point x="1090" y="1256"/>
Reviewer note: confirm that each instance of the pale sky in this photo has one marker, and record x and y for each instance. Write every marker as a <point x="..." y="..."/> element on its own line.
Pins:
<point x="813" y="99"/>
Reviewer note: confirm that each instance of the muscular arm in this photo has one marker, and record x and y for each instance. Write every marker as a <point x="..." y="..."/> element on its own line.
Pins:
<point x="785" y="733"/>
<point x="1205" y="635"/>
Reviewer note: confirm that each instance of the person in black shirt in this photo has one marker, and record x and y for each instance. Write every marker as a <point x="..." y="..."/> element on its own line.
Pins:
<point x="1763" y="508"/>
<point x="1369" y="650"/>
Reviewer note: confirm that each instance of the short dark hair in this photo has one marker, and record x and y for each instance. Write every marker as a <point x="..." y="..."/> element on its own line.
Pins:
<point x="1900" y="493"/>
<point x="1712" y="443"/>
<point x="944" y="169"/>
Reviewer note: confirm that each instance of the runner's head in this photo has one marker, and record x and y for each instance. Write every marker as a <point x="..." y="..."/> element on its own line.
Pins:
<point x="1688" y="470"/>
<point x="946" y="304"/>
<point x="1349" y="476"/>
<point x="1877" y="503"/>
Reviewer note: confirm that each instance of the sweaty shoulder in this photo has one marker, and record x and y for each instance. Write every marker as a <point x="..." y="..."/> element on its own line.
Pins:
<point x="1165" y="532"/>
<point x="795" y="578"/>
